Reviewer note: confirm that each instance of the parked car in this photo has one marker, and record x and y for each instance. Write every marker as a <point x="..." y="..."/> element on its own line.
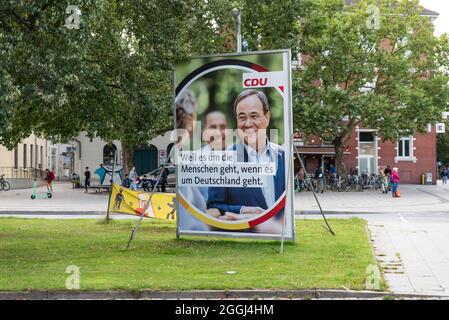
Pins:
<point x="171" y="181"/>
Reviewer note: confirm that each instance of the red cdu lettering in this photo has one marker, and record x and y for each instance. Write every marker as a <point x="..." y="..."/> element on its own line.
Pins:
<point x="255" y="82"/>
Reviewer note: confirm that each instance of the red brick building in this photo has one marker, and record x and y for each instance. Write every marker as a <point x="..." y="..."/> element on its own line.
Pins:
<point x="365" y="151"/>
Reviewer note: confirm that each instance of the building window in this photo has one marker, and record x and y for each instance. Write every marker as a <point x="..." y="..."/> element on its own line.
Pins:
<point x="53" y="159"/>
<point x="24" y="155"/>
<point x="366" y="136"/>
<point x="405" y="149"/>
<point x="109" y="151"/>
<point x="42" y="158"/>
<point x="367" y="151"/>
<point x="31" y="155"/>
<point x="16" y="157"/>
<point x="36" y="160"/>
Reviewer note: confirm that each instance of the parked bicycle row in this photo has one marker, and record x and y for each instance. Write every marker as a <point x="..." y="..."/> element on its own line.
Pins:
<point x="331" y="181"/>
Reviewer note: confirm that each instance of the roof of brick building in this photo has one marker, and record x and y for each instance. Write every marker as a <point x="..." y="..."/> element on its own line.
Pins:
<point x="425" y="12"/>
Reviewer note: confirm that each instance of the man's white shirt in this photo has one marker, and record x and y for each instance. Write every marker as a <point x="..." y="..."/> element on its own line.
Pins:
<point x="265" y="157"/>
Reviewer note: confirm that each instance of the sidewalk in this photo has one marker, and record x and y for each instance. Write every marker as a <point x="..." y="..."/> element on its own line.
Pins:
<point x="413" y="254"/>
<point x="414" y="198"/>
<point x="65" y="199"/>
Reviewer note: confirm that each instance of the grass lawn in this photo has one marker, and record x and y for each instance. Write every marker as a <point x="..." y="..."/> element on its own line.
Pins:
<point x="34" y="254"/>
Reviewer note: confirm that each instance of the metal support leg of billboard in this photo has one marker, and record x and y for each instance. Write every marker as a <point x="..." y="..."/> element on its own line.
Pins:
<point x="281" y="250"/>
<point x="134" y="231"/>
<point x="289" y="185"/>
<point x="306" y="175"/>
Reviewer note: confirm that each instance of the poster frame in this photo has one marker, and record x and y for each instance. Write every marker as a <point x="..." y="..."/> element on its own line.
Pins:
<point x="289" y="208"/>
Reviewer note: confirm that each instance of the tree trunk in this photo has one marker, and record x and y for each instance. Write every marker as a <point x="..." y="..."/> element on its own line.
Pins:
<point x="128" y="157"/>
<point x="340" y="158"/>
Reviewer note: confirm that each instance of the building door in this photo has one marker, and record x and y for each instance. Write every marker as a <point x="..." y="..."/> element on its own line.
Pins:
<point x="145" y="159"/>
<point x="367" y="152"/>
<point x="366" y="164"/>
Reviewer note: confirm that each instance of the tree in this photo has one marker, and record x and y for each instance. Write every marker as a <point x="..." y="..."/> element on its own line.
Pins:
<point x="443" y="147"/>
<point x="272" y="24"/>
<point x="391" y="76"/>
<point x="112" y="77"/>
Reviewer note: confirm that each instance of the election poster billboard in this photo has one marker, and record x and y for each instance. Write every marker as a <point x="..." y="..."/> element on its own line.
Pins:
<point x="233" y="150"/>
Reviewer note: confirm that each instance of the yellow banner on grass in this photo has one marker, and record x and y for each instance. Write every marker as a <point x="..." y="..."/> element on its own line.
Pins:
<point x="124" y="200"/>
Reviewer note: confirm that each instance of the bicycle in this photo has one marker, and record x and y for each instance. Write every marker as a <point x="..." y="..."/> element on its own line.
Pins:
<point x="308" y="183"/>
<point x="4" y="185"/>
<point x="354" y="183"/>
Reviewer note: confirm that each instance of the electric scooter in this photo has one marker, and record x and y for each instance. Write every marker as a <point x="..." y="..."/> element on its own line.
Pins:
<point x="43" y="195"/>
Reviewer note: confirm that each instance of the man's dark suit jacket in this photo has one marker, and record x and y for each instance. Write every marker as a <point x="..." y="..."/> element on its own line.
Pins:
<point x="232" y="199"/>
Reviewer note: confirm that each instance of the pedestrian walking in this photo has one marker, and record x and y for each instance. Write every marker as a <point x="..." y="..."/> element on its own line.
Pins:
<point x="384" y="181"/>
<point x="87" y="179"/>
<point x="75" y="180"/>
<point x="333" y="171"/>
<point x="49" y="177"/>
<point x="319" y="178"/>
<point x="387" y="173"/>
<point x="395" y="180"/>
<point x="444" y="173"/>
<point x="164" y="179"/>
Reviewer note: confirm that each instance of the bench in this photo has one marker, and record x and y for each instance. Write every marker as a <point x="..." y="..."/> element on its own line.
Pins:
<point x="99" y="188"/>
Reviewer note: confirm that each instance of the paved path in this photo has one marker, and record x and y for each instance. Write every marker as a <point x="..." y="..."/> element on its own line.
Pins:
<point x="414" y="198"/>
<point x="410" y="235"/>
<point x="412" y="248"/>
<point x="65" y="199"/>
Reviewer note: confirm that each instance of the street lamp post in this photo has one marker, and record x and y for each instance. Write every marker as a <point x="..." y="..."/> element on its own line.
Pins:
<point x="236" y="13"/>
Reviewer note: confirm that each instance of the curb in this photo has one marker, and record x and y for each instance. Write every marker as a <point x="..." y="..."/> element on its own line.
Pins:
<point x="297" y="213"/>
<point x="330" y="212"/>
<point x="209" y="294"/>
<point x="333" y="212"/>
<point x="53" y="212"/>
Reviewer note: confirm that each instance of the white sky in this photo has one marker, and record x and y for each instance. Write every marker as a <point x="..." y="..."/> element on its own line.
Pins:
<point x="442" y="7"/>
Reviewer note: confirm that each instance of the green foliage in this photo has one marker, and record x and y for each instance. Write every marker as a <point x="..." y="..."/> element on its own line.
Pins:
<point x="272" y="24"/>
<point x="111" y="78"/>
<point x="404" y="63"/>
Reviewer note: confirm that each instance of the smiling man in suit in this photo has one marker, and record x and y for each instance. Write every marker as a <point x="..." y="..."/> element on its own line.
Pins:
<point x="252" y="113"/>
